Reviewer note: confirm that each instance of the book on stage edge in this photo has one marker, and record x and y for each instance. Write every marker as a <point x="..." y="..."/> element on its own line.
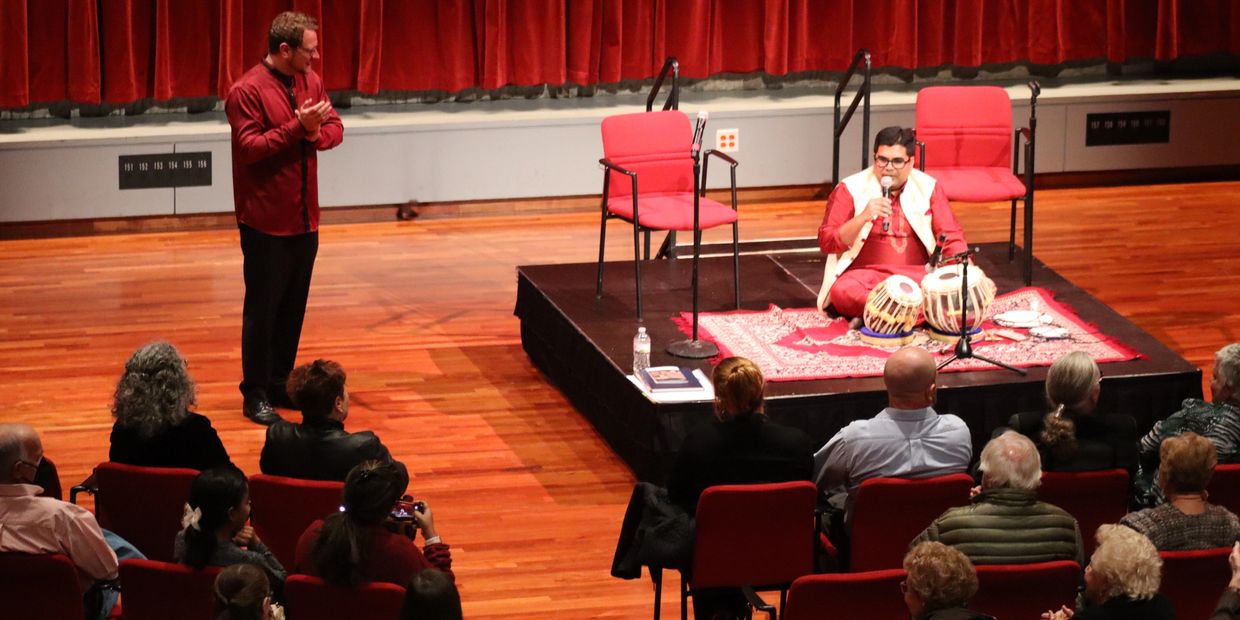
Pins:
<point x="659" y="379"/>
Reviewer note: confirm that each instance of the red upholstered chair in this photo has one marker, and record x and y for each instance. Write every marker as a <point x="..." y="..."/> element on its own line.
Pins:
<point x="284" y="507"/>
<point x="143" y="505"/>
<point x="759" y="536"/>
<point x="157" y="590"/>
<point x="1092" y="497"/>
<point x="874" y="595"/>
<point x="966" y="138"/>
<point x="650" y="179"/>
<point x="1224" y="487"/>
<point x="310" y="598"/>
<point x="39" y="586"/>
<point x="1193" y="580"/>
<point x="1025" y="590"/>
<point x="890" y="512"/>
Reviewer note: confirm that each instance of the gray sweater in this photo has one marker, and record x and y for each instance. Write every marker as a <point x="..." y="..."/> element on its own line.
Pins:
<point x="1008" y="526"/>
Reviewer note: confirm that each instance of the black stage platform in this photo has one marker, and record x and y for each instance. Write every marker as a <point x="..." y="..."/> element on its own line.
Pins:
<point x="584" y="346"/>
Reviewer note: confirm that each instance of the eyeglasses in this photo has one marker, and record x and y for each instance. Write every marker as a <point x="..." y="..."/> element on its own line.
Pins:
<point x="311" y="53"/>
<point x="896" y="163"/>
<point x="34" y="465"/>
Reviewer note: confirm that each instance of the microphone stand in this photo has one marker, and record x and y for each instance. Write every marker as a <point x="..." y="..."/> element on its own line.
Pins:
<point x="694" y="348"/>
<point x="964" y="348"/>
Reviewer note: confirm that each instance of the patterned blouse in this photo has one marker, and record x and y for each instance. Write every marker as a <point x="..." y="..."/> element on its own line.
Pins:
<point x="1172" y="530"/>
<point x="1220" y="423"/>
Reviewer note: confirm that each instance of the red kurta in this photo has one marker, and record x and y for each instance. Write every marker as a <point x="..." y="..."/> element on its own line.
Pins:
<point x="275" y="169"/>
<point x="897" y="251"/>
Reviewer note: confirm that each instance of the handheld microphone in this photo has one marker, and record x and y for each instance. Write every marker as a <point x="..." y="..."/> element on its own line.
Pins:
<point x="886" y="183"/>
<point x="937" y="255"/>
<point x="699" y="131"/>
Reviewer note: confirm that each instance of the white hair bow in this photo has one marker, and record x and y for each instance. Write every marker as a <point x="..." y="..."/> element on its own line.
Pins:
<point x="190" y="517"/>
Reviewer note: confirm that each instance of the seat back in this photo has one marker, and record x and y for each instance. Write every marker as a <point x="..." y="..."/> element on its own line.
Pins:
<point x="143" y="505"/>
<point x="310" y="598"/>
<point x="1092" y="497"/>
<point x="1193" y="580"/>
<point x="282" y="508"/>
<point x="873" y="595"/>
<point x="39" y="586"/>
<point x="754" y="534"/>
<point x="1025" y="590"/>
<point x="157" y="590"/>
<point x="890" y="512"/>
<point x="655" y="145"/>
<point x="1224" y="487"/>
<point x="965" y="126"/>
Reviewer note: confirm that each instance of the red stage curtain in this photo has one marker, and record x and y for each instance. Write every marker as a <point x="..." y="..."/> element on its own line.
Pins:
<point x="119" y="51"/>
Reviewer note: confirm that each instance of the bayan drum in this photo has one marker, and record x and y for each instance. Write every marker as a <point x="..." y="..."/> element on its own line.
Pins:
<point x="891" y="311"/>
<point x="942" y="307"/>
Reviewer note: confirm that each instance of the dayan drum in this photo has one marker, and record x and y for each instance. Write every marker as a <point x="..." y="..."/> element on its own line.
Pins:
<point x="891" y="311"/>
<point x="942" y="292"/>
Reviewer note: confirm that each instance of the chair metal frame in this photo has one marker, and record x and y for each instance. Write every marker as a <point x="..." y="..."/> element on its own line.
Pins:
<point x="1029" y="134"/>
<point x="701" y="167"/>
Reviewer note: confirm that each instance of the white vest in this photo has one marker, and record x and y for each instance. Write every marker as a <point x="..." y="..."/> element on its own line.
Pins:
<point x="864" y="187"/>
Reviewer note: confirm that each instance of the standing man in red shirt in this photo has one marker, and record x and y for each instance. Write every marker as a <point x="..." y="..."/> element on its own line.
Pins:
<point x="280" y="117"/>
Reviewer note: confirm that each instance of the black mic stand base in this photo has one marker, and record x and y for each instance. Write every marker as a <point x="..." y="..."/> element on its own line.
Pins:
<point x="964" y="351"/>
<point x="693" y="349"/>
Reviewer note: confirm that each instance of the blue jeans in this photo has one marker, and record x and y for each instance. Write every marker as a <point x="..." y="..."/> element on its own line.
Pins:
<point x="124" y="551"/>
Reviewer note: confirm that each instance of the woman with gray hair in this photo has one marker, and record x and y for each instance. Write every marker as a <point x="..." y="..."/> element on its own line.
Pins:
<point x="1217" y="421"/>
<point x="154" y="425"/>
<point x="1121" y="581"/>
<point x="1072" y="436"/>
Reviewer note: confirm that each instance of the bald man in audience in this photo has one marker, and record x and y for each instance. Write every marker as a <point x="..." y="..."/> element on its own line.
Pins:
<point x="908" y="439"/>
<point x="30" y="523"/>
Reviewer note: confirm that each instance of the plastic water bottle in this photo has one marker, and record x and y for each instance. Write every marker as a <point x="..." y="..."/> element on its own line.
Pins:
<point x="641" y="351"/>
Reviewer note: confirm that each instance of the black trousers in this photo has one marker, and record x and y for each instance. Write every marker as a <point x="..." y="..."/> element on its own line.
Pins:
<point x="277" y="283"/>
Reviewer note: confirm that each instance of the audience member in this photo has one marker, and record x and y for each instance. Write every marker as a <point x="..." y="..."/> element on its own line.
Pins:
<point x="740" y="445"/>
<point x="1218" y="421"/>
<point x="214" y="530"/>
<point x="154" y="425"/>
<point x="1187" y="520"/>
<point x="908" y="439"/>
<point x="242" y="592"/>
<point x="940" y="582"/>
<point x="431" y="595"/>
<point x="365" y="541"/>
<point x="40" y="525"/>
<point x="1228" y="607"/>
<point x="1005" y="523"/>
<point x="319" y="448"/>
<point x="1121" y="581"/>
<point x="1072" y="437"/>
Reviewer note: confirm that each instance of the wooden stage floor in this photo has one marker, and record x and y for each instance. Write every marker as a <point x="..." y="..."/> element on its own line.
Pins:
<point x="420" y="314"/>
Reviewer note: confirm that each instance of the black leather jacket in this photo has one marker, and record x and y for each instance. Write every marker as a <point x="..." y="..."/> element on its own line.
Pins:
<point x="319" y="451"/>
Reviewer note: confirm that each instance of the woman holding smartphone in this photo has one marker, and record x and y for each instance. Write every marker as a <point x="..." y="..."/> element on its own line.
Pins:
<point x="372" y="537"/>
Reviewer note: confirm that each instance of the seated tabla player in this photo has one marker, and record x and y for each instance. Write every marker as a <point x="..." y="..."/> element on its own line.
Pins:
<point x="860" y="253"/>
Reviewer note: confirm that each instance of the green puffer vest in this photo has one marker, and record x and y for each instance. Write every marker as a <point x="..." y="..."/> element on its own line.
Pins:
<point x="1008" y="526"/>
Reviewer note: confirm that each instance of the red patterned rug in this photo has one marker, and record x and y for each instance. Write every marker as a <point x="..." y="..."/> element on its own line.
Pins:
<point x="799" y="344"/>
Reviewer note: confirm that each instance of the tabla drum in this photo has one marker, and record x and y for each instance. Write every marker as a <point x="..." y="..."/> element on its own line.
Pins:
<point x="942" y="304"/>
<point x="891" y="311"/>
